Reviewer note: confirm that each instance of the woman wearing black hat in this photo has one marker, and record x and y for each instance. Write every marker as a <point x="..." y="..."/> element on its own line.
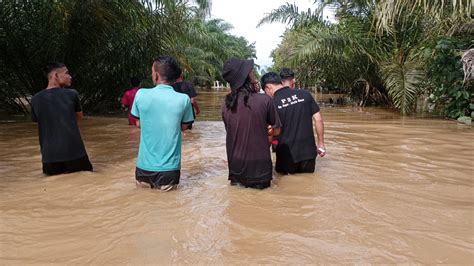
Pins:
<point x="246" y="116"/>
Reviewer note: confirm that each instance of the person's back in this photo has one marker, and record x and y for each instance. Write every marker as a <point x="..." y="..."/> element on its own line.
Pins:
<point x="187" y="88"/>
<point x="296" y="150"/>
<point x="246" y="141"/>
<point x="247" y="117"/>
<point x="56" y="111"/>
<point x="162" y="114"/>
<point x="295" y="109"/>
<point x="128" y="98"/>
<point x="160" y="110"/>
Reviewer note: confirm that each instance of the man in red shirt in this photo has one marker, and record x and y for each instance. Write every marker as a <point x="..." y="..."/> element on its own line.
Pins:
<point x="128" y="97"/>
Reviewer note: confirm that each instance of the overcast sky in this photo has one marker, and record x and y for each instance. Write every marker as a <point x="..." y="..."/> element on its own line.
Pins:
<point x="244" y="15"/>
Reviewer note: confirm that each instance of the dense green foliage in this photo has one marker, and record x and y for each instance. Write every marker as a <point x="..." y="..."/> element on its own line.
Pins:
<point x="104" y="43"/>
<point x="377" y="50"/>
<point x="203" y="52"/>
<point x="446" y="88"/>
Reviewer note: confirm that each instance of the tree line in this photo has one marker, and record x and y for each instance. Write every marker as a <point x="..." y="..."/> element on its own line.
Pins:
<point x="104" y="43"/>
<point x="387" y="52"/>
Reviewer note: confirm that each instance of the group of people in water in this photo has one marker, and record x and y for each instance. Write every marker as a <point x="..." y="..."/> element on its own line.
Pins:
<point x="254" y="117"/>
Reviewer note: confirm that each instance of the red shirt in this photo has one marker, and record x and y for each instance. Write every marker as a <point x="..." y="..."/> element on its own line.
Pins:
<point x="127" y="100"/>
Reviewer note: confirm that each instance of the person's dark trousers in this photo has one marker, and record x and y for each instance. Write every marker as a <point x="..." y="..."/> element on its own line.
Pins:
<point x="257" y="185"/>
<point x="289" y="167"/>
<point x="285" y="165"/>
<point x="158" y="179"/>
<point x="81" y="164"/>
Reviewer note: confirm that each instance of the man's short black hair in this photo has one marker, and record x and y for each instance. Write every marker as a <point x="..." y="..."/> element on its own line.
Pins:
<point x="180" y="72"/>
<point x="52" y="66"/>
<point x="135" y="81"/>
<point x="286" y="74"/>
<point x="270" y="78"/>
<point x="167" y="67"/>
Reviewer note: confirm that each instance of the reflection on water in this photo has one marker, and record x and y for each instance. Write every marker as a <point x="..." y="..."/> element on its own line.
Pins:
<point x="391" y="190"/>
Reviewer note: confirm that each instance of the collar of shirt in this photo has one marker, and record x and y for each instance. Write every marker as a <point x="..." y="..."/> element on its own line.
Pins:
<point x="282" y="89"/>
<point x="163" y="86"/>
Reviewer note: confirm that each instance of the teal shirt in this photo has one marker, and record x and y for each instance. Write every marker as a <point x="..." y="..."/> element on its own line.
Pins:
<point x="161" y="111"/>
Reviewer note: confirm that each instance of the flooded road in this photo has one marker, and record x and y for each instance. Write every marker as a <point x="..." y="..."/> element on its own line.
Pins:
<point x="390" y="190"/>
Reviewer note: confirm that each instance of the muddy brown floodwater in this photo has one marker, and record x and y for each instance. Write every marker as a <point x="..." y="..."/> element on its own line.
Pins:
<point x="390" y="190"/>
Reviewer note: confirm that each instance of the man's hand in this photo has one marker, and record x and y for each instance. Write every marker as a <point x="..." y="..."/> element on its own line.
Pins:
<point x="273" y="131"/>
<point x="321" y="150"/>
<point x="270" y="130"/>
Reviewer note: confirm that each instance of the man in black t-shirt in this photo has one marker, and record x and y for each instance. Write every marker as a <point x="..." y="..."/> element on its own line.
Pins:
<point x="57" y="109"/>
<point x="296" y="150"/>
<point x="187" y="88"/>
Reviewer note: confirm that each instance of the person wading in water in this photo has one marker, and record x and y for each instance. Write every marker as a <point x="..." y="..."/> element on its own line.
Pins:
<point x="128" y="97"/>
<point x="296" y="150"/>
<point x="56" y="110"/>
<point x="162" y="114"/>
<point x="246" y="115"/>
<point x="187" y="88"/>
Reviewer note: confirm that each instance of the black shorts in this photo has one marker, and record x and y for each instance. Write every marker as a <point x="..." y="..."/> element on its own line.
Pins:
<point x="289" y="167"/>
<point x="81" y="164"/>
<point x="157" y="179"/>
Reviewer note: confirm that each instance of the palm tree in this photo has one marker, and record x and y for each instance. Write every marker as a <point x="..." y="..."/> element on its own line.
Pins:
<point x="104" y="43"/>
<point x="385" y="58"/>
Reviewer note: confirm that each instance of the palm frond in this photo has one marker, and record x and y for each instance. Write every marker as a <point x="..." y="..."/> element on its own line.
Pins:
<point x="402" y="80"/>
<point x="389" y="11"/>
<point x="290" y="14"/>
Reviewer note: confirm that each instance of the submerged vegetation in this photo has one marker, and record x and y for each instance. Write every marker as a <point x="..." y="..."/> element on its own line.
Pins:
<point x="387" y="52"/>
<point x="104" y="43"/>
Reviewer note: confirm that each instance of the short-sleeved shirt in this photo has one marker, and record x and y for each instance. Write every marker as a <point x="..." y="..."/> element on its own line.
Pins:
<point x="186" y="88"/>
<point x="296" y="109"/>
<point x="59" y="136"/>
<point x="127" y="100"/>
<point x="161" y="112"/>
<point x="248" y="152"/>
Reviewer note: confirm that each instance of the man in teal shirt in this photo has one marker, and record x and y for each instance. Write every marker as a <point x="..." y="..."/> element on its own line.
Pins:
<point x="162" y="114"/>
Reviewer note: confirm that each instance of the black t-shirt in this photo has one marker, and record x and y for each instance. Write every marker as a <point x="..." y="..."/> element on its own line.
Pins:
<point x="55" y="111"/>
<point x="296" y="109"/>
<point x="186" y="88"/>
<point x="248" y="152"/>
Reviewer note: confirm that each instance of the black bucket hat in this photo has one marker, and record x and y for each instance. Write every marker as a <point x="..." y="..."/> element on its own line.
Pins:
<point x="236" y="72"/>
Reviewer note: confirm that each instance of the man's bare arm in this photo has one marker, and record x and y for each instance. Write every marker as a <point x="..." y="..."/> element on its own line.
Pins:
<point x="318" y="120"/>
<point x="195" y="105"/>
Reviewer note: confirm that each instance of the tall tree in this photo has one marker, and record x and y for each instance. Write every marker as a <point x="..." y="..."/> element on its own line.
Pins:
<point x="368" y="46"/>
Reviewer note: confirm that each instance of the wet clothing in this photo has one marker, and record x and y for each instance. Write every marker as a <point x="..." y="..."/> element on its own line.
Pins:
<point x="161" y="112"/>
<point x="158" y="179"/>
<point x="188" y="89"/>
<point x="285" y="165"/>
<point x="59" y="136"/>
<point x="127" y="100"/>
<point x="248" y="151"/>
<point x="256" y="185"/>
<point x="81" y="164"/>
<point x="296" y="142"/>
